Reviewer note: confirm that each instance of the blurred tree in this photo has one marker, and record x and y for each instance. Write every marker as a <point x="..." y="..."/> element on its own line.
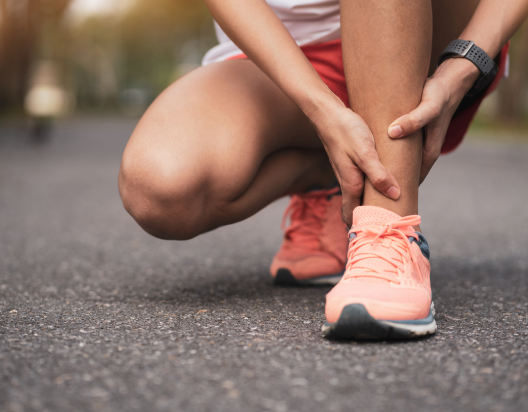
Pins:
<point x="21" y="25"/>
<point x="142" y="50"/>
<point x="153" y="35"/>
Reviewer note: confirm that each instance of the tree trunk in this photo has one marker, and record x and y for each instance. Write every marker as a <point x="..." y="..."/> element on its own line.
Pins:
<point x="20" y="28"/>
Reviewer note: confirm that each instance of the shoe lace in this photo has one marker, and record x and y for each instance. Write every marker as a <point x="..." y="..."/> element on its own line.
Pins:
<point x="394" y="234"/>
<point x="306" y="212"/>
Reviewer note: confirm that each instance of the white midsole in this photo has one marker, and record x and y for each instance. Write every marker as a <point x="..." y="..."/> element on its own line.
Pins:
<point x="417" y="330"/>
<point x="327" y="280"/>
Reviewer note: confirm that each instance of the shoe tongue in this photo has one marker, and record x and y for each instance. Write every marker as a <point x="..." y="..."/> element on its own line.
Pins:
<point x="372" y="215"/>
<point x="367" y="216"/>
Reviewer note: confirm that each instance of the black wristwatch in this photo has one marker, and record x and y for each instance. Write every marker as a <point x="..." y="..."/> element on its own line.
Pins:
<point x="469" y="50"/>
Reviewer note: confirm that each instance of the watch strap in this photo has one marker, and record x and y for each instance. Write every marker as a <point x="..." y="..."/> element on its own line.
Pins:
<point x="469" y="50"/>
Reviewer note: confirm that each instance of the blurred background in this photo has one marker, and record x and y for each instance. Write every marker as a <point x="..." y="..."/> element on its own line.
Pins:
<point x="59" y="57"/>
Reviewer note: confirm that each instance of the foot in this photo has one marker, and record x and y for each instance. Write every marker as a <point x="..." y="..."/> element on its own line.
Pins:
<point x="314" y="248"/>
<point x="385" y="292"/>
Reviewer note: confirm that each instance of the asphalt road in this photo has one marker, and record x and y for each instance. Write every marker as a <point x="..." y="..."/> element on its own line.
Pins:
<point x="98" y="316"/>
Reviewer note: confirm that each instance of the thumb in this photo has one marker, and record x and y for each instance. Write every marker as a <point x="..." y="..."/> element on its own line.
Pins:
<point x="414" y="121"/>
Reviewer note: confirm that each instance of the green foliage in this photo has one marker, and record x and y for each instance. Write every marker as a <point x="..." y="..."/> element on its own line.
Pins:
<point x="153" y="34"/>
<point x="144" y="46"/>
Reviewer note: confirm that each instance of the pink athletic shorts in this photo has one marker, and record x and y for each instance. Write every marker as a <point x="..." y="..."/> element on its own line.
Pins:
<point x="327" y="60"/>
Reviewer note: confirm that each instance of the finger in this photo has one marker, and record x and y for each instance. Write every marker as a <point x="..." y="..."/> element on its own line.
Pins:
<point x="369" y="162"/>
<point x="352" y="187"/>
<point x="431" y="150"/>
<point x="415" y="120"/>
<point x="352" y="182"/>
<point x="349" y="204"/>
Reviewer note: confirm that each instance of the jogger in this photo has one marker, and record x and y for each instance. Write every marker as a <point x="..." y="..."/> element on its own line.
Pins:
<point x="265" y="118"/>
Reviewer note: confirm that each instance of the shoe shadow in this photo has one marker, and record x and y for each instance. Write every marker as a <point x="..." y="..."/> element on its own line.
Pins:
<point x="399" y="341"/>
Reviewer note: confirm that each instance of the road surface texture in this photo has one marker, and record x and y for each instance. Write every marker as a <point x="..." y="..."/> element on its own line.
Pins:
<point x="96" y="315"/>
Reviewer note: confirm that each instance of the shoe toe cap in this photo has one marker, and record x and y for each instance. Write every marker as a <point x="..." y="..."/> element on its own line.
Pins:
<point x="380" y="300"/>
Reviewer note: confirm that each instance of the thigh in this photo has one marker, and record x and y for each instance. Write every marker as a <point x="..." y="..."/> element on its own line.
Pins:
<point x="450" y="18"/>
<point x="214" y="127"/>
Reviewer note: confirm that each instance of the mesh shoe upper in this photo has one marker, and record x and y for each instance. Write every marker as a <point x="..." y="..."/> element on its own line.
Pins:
<point x="315" y="242"/>
<point x="386" y="272"/>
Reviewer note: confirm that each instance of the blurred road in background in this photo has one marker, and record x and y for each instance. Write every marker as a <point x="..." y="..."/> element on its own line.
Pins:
<point x="96" y="315"/>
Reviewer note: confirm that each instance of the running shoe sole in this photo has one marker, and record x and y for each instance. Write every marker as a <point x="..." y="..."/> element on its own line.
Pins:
<point x="356" y="323"/>
<point x="285" y="278"/>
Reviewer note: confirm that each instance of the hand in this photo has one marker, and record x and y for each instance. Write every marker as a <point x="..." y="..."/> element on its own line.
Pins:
<point x="441" y="96"/>
<point x="352" y="152"/>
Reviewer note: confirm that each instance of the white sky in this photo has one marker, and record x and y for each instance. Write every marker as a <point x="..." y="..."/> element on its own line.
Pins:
<point x="80" y="9"/>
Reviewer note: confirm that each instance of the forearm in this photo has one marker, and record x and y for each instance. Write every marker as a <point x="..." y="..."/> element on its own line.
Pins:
<point x="492" y="25"/>
<point x="259" y="33"/>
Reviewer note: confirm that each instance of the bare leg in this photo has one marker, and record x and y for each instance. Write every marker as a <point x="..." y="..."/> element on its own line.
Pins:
<point x="217" y="146"/>
<point x="386" y="56"/>
<point x="224" y="141"/>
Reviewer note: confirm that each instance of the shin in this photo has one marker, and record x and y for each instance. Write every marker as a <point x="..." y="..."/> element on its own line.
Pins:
<point x="386" y="51"/>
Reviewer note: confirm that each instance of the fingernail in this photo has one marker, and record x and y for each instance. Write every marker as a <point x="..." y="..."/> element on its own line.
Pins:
<point x="393" y="192"/>
<point x="395" y="131"/>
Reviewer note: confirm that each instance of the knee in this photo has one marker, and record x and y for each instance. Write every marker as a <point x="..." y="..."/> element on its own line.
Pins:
<point x="165" y="199"/>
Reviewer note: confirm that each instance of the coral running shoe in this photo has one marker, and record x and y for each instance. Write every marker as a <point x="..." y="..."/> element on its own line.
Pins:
<point x="385" y="292"/>
<point x="315" y="243"/>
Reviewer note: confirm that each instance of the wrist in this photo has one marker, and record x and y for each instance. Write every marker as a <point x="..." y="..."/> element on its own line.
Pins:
<point x="322" y="108"/>
<point x="459" y="76"/>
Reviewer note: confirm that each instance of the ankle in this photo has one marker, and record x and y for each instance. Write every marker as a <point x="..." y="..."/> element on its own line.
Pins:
<point x="386" y="213"/>
<point x="406" y="205"/>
